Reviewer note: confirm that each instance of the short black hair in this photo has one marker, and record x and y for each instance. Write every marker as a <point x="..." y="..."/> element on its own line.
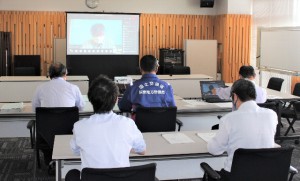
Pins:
<point x="247" y="71"/>
<point x="244" y="89"/>
<point x="103" y="93"/>
<point x="57" y="70"/>
<point x="148" y="63"/>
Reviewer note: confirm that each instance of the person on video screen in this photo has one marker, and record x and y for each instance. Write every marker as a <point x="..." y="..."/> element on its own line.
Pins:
<point x="99" y="39"/>
<point x="209" y="91"/>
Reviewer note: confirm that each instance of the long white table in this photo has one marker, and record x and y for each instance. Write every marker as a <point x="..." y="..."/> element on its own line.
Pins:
<point x="194" y="113"/>
<point x="174" y="161"/>
<point x="186" y="86"/>
<point x="22" y="88"/>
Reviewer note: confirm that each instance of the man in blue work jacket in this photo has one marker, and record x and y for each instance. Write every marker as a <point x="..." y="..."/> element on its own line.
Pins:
<point x="149" y="91"/>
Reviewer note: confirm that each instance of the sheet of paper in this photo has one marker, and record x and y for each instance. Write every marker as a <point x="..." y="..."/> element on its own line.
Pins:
<point x="206" y="136"/>
<point x="85" y="98"/>
<point x="176" y="138"/>
<point x="195" y="102"/>
<point x="18" y="105"/>
<point x="224" y="105"/>
<point x="273" y="97"/>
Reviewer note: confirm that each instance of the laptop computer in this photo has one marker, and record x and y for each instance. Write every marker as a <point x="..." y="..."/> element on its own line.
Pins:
<point x="206" y="91"/>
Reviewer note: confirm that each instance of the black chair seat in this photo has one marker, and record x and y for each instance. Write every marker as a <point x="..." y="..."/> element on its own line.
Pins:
<point x="134" y="173"/>
<point x="257" y="164"/>
<point x="288" y="113"/>
<point x="51" y="121"/>
<point x="157" y="119"/>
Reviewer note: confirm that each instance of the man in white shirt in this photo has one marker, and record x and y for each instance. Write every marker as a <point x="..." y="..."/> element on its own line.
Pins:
<point x="245" y="72"/>
<point x="57" y="93"/>
<point x="249" y="126"/>
<point x="105" y="139"/>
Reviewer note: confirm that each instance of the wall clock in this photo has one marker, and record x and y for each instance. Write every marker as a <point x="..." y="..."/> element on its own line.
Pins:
<point x="92" y="3"/>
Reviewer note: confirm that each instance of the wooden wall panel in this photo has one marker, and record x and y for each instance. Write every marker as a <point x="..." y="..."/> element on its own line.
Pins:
<point x="169" y="31"/>
<point x="234" y="33"/>
<point x="33" y="32"/>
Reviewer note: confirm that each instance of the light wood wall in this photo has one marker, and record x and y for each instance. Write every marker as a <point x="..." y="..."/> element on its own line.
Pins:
<point x="233" y="32"/>
<point x="33" y="33"/>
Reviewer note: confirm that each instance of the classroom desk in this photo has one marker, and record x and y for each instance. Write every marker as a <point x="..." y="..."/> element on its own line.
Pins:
<point x="22" y="88"/>
<point x="185" y="86"/>
<point x="195" y="114"/>
<point x="174" y="161"/>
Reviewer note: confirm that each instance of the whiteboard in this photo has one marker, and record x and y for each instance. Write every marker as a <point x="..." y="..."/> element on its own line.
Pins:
<point x="201" y="56"/>
<point x="280" y="48"/>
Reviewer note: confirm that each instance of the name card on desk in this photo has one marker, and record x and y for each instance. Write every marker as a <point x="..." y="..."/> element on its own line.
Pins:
<point x="8" y="106"/>
<point x="176" y="138"/>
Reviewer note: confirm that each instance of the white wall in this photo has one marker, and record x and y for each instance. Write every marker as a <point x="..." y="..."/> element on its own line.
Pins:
<point x="233" y="6"/>
<point x="221" y="6"/>
<point x="132" y="6"/>
<point x="127" y="6"/>
<point x="239" y="6"/>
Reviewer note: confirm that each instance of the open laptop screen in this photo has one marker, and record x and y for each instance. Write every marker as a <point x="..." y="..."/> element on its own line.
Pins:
<point x="207" y="86"/>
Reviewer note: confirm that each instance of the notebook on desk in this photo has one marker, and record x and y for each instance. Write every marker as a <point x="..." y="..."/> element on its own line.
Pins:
<point x="206" y="91"/>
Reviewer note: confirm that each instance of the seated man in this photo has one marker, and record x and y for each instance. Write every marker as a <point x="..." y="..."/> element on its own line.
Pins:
<point x="149" y="91"/>
<point x="105" y="139"/>
<point x="248" y="73"/>
<point x="57" y="93"/>
<point x="249" y="126"/>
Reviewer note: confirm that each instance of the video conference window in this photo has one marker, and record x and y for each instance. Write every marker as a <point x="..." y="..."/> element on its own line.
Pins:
<point x="102" y="34"/>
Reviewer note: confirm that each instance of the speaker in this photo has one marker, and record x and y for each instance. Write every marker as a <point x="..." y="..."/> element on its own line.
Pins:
<point x="206" y="3"/>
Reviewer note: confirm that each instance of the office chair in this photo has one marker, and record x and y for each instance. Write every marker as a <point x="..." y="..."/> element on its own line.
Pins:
<point x="266" y="164"/>
<point x="275" y="83"/>
<point x="134" y="173"/>
<point x="291" y="112"/>
<point x="157" y="119"/>
<point x="288" y="111"/>
<point x="51" y="121"/>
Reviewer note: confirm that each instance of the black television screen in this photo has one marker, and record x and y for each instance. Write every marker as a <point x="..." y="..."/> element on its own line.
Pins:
<point x="102" y="34"/>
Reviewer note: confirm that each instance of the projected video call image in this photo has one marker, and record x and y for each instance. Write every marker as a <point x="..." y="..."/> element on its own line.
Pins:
<point x="96" y="36"/>
<point x="102" y="34"/>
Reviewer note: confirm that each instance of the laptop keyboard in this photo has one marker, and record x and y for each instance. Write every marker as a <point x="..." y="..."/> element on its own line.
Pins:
<point x="216" y="100"/>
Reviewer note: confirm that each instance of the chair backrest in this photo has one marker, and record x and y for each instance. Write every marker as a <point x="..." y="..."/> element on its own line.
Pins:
<point x="51" y="121"/>
<point x="275" y="83"/>
<point x="134" y="173"/>
<point x="261" y="164"/>
<point x="156" y="119"/>
<point x="296" y="91"/>
<point x="275" y="106"/>
<point x="180" y="70"/>
<point x="296" y="106"/>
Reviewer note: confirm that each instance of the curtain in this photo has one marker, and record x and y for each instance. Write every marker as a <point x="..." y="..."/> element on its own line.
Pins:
<point x="5" y="53"/>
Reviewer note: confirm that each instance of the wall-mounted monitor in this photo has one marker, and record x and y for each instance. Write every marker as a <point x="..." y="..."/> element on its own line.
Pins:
<point x="102" y="34"/>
